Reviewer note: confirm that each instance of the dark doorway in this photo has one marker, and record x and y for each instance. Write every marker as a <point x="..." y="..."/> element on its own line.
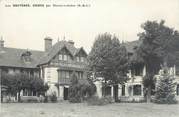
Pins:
<point x="65" y="93"/>
<point x="115" y="89"/>
<point x="106" y="91"/>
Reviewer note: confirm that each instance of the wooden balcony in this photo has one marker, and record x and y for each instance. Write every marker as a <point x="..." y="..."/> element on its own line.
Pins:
<point x="64" y="81"/>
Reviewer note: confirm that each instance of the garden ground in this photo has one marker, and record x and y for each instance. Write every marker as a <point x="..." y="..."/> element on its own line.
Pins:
<point x="66" y="109"/>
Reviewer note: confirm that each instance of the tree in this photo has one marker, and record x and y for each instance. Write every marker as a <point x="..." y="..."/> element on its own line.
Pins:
<point x="165" y="89"/>
<point x="108" y="59"/>
<point x="155" y="50"/>
<point x="20" y="81"/>
<point x="75" y="93"/>
<point x="37" y="85"/>
<point x="78" y="91"/>
<point x="15" y="83"/>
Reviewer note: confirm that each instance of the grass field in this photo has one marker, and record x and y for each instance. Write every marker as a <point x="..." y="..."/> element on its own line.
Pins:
<point x="65" y="109"/>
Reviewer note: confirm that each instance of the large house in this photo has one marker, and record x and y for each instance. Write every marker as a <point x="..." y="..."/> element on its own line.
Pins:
<point x="58" y="62"/>
<point x="55" y="64"/>
<point x="133" y="89"/>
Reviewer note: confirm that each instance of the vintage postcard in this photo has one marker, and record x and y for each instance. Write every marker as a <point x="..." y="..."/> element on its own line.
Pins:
<point x="89" y="58"/>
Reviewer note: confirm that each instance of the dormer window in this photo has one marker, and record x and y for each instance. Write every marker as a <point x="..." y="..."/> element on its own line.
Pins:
<point x="26" y="56"/>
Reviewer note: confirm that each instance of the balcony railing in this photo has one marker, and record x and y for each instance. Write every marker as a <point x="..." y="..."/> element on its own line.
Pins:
<point x="64" y="81"/>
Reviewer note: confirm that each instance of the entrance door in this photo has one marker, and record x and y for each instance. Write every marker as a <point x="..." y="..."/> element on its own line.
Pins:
<point x="116" y="93"/>
<point x="65" y="93"/>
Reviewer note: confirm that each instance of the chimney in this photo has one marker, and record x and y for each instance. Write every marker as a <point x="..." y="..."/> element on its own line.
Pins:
<point x="48" y="43"/>
<point x="71" y="42"/>
<point x="1" y="43"/>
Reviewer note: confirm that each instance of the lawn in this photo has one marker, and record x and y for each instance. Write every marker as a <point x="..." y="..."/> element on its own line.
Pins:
<point x="65" y="109"/>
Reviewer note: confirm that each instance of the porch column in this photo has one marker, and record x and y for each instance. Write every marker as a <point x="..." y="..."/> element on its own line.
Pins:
<point x="174" y="70"/>
<point x="119" y="90"/>
<point x="98" y="89"/>
<point x="130" y="74"/>
<point x="142" y="92"/>
<point x="132" y="90"/>
<point x="126" y="89"/>
<point x="144" y="71"/>
<point x="61" y="89"/>
<point x="112" y="91"/>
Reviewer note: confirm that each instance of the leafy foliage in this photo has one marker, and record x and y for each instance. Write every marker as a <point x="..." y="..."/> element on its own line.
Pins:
<point x="53" y="97"/>
<point x="78" y="91"/>
<point x="74" y="90"/>
<point x="20" y="81"/>
<point x="156" y="49"/>
<point x="100" y="101"/>
<point x="108" y="59"/>
<point x="165" y="90"/>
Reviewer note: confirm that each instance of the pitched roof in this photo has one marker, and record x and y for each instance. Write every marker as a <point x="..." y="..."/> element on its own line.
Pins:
<point x="56" y="48"/>
<point x="12" y="57"/>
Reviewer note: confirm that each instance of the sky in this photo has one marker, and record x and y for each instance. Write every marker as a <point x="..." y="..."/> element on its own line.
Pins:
<point x="26" y="28"/>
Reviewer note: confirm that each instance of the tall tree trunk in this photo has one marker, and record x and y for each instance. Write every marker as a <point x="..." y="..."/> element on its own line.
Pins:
<point x="148" y="94"/>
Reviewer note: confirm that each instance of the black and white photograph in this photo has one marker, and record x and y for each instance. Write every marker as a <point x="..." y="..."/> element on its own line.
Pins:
<point x="89" y="58"/>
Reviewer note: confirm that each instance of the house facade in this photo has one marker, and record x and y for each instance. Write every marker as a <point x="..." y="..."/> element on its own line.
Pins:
<point x="56" y="64"/>
<point x="15" y="60"/>
<point x="59" y="62"/>
<point x="133" y="89"/>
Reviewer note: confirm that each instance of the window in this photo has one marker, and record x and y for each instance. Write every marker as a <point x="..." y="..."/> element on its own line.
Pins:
<point x="64" y="57"/>
<point x="80" y="75"/>
<point x="48" y="75"/>
<point x="177" y="89"/>
<point x="31" y="73"/>
<point x="106" y="91"/>
<point x="67" y="74"/>
<point x="137" y="69"/>
<point x="60" y="57"/>
<point x="80" y="59"/>
<point x="123" y="90"/>
<point x="137" y="89"/>
<point x="5" y="70"/>
<point x="64" y="74"/>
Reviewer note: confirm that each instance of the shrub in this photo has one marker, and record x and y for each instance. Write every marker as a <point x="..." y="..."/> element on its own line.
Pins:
<point x="29" y="99"/>
<point x="45" y="99"/>
<point x="165" y="90"/>
<point x="53" y="97"/>
<point x="100" y="101"/>
<point x="80" y="91"/>
<point x="75" y="93"/>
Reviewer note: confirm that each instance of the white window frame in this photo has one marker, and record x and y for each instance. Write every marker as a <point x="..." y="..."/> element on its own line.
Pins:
<point x="60" y="57"/>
